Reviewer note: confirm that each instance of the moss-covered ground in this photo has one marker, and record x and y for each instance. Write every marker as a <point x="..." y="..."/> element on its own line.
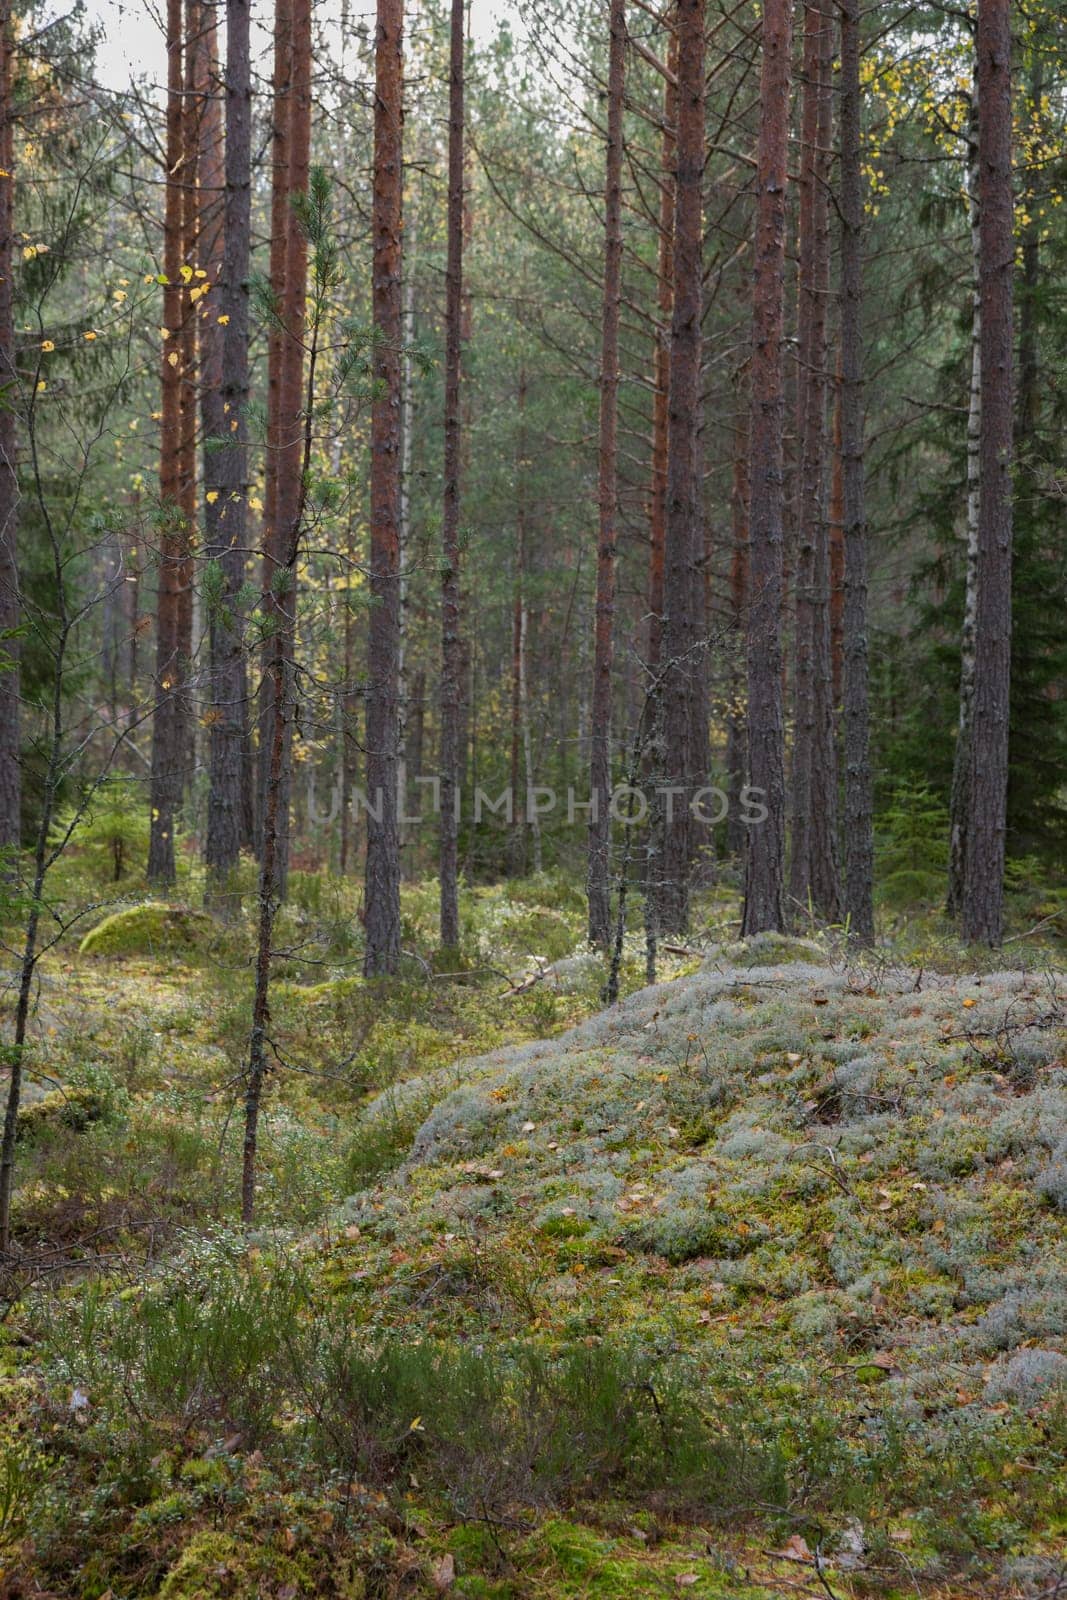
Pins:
<point x="755" y="1284"/>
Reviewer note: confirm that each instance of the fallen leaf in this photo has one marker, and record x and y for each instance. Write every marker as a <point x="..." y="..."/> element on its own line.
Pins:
<point x="444" y="1573"/>
<point x="794" y="1549"/>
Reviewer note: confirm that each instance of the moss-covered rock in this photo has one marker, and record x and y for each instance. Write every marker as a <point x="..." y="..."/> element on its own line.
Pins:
<point x="153" y="930"/>
<point x="61" y="1108"/>
<point x="216" y="1566"/>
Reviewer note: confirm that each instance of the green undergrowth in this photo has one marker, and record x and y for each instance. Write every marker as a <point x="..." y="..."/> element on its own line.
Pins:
<point x="762" y="1268"/>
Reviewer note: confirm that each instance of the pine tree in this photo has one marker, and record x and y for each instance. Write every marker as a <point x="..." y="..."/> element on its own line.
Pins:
<point x="10" y="771"/>
<point x="603" y="644"/>
<point x="765" y="860"/>
<point x="683" y="703"/>
<point x="859" y="803"/>
<point x="382" y="879"/>
<point x="226" y="473"/>
<point x="168" y="722"/>
<point x="983" y="883"/>
<point x="451" y="657"/>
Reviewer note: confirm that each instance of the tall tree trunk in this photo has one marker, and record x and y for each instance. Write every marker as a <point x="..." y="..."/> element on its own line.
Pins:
<point x="527" y="738"/>
<point x="349" y="703"/>
<point x="765" y="858"/>
<point x="603" y="637"/>
<point x="662" y="369"/>
<point x="836" y="520"/>
<point x="859" y="801"/>
<point x="224" y="408"/>
<point x="517" y="832"/>
<point x="450" y="637"/>
<point x="167" y="722"/>
<point x="736" y="734"/>
<point x="407" y="451"/>
<point x="10" y="771"/>
<point x="191" y="298"/>
<point x="280" y="214"/>
<point x="960" y="802"/>
<point x="1028" y="387"/>
<point x="813" y="864"/>
<point x="291" y="381"/>
<point x="682" y="692"/>
<point x="983" y="887"/>
<point x="382" y="909"/>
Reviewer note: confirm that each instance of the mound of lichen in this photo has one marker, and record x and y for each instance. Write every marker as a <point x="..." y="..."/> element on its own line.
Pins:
<point x="848" y="1184"/>
<point x="153" y="931"/>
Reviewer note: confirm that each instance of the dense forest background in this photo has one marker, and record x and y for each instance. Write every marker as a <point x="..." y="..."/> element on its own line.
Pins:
<point x="91" y="339"/>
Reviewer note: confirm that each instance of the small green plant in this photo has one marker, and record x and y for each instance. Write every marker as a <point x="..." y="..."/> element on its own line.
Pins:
<point x="21" y="1474"/>
<point x="110" y="835"/>
<point x="912" y="848"/>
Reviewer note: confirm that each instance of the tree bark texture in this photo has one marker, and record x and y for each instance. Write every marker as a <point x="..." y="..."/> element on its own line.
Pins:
<point x="382" y="883"/>
<point x="983" y="889"/>
<point x="598" y="874"/>
<point x="450" y="529"/>
<point x="765" y="859"/>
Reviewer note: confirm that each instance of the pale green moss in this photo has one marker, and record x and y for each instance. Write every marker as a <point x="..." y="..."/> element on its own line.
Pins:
<point x="218" y="1566"/>
<point x="152" y="930"/>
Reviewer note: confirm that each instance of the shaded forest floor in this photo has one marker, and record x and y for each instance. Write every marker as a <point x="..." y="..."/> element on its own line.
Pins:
<point x="755" y="1284"/>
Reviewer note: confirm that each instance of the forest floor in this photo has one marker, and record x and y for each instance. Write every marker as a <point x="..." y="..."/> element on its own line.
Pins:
<point x="754" y="1284"/>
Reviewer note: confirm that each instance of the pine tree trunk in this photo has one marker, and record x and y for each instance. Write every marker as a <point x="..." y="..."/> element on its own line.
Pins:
<point x="983" y="888"/>
<point x="280" y="210"/>
<point x="603" y="636"/>
<point x="813" y="865"/>
<point x="960" y="803"/>
<point x="167" y="722"/>
<point x="10" y="771"/>
<point x="188" y="350"/>
<point x="291" y="388"/>
<point x="517" y="828"/>
<point x="660" y="399"/>
<point x="450" y="577"/>
<point x="736" y="737"/>
<point x="224" y="406"/>
<point x="532" y="816"/>
<point x="382" y="909"/>
<point x="836" y="519"/>
<point x="765" y="858"/>
<point x="407" y="451"/>
<point x="859" y="803"/>
<point x="682" y="691"/>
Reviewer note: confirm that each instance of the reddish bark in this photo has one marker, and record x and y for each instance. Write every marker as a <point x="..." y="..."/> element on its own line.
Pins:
<point x="280" y="216"/>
